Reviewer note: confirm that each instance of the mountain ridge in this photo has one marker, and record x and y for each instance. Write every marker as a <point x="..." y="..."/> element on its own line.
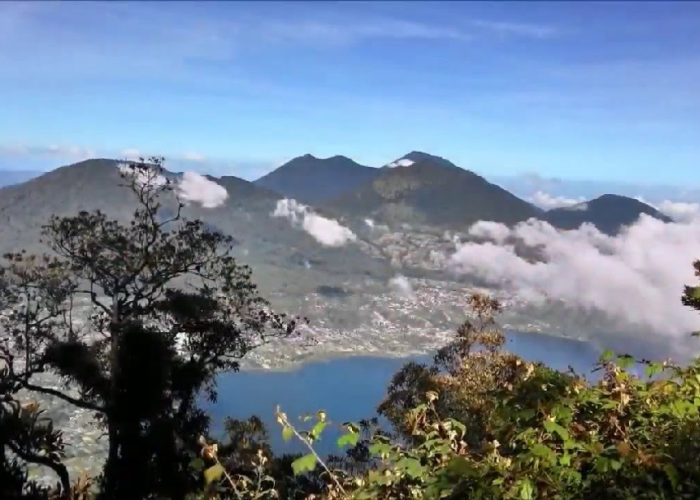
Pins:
<point x="431" y="191"/>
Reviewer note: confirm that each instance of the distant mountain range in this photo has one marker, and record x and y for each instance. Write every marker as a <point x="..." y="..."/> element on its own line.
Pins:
<point x="418" y="189"/>
<point x="424" y="189"/>
<point x="270" y="245"/>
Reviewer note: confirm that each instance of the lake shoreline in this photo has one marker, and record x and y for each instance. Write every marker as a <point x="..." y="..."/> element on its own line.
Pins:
<point x="330" y="356"/>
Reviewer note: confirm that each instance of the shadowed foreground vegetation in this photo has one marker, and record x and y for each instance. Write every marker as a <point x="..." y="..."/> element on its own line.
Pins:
<point x="478" y="423"/>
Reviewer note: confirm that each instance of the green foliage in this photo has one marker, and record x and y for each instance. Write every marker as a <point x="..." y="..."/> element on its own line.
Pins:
<point x="307" y="463"/>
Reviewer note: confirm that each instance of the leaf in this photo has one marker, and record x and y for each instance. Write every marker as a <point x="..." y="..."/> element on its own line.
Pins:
<point x="607" y="355"/>
<point x="459" y="426"/>
<point x="379" y="448"/>
<point x="197" y="464"/>
<point x="349" y="439"/>
<point x="213" y="474"/>
<point x="553" y="427"/>
<point x="527" y="414"/>
<point x="307" y="463"/>
<point x="460" y="466"/>
<point x="541" y="450"/>
<point x="318" y="429"/>
<point x="672" y="474"/>
<point x="412" y="467"/>
<point x="527" y="491"/>
<point x="287" y="432"/>
<point x="625" y="361"/>
<point x="653" y="369"/>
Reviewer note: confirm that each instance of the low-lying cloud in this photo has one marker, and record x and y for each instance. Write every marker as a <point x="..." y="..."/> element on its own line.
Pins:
<point x="402" y="287"/>
<point x="195" y="188"/>
<point x="327" y="232"/>
<point x="404" y="162"/>
<point x="190" y="188"/>
<point x="547" y="201"/>
<point x="636" y="277"/>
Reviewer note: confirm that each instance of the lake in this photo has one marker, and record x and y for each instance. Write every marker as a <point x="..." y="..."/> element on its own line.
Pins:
<point x="349" y="389"/>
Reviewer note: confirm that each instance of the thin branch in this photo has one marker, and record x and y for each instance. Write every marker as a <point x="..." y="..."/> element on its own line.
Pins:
<point x="69" y="399"/>
<point x="307" y="443"/>
<point x="57" y="467"/>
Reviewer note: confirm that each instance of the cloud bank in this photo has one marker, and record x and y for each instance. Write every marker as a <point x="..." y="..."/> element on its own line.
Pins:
<point x="327" y="232"/>
<point x="680" y="211"/>
<point x="637" y="277"/>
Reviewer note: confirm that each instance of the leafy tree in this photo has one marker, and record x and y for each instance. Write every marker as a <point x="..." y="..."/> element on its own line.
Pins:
<point x="171" y="308"/>
<point x="691" y="294"/>
<point x="465" y="372"/>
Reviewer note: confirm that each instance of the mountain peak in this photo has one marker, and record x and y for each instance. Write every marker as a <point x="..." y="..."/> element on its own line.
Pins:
<point x="414" y="157"/>
<point x="310" y="179"/>
<point x="609" y="213"/>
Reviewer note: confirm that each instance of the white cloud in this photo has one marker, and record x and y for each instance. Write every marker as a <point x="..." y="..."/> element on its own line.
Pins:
<point x="327" y="232"/>
<point x="370" y="223"/>
<point x="404" y="162"/>
<point x="194" y="157"/>
<point x="679" y="211"/>
<point x="402" y="287"/>
<point x="635" y="277"/>
<point x="579" y="206"/>
<point x="547" y="201"/>
<point x="196" y="188"/>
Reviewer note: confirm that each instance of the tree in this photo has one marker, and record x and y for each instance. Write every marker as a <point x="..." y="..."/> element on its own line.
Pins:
<point x="30" y="438"/>
<point x="170" y="309"/>
<point x="465" y="372"/>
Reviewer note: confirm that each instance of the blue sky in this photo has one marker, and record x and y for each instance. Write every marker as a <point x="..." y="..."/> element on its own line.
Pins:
<point x="602" y="91"/>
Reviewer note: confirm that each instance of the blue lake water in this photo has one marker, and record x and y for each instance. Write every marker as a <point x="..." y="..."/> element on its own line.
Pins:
<point x="349" y="389"/>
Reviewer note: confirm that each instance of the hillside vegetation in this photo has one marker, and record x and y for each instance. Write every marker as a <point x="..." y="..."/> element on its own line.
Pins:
<point x="477" y="423"/>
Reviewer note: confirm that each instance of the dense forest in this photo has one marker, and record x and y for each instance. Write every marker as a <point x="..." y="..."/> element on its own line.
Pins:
<point x="173" y="309"/>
